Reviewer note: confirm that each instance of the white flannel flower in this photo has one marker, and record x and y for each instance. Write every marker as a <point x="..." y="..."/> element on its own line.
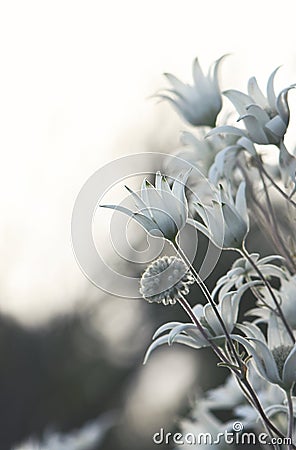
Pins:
<point x="162" y="210"/>
<point x="266" y="118"/>
<point x="198" y="104"/>
<point x="188" y="334"/>
<point x="165" y="279"/>
<point x="274" y="358"/>
<point x="286" y="298"/>
<point x="198" y="151"/>
<point x="232" y="231"/>
<point x="227" y="159"/>
<point x="243" y="272"/>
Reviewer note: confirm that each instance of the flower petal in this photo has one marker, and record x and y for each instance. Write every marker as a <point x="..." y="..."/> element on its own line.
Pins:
<point x="146" y="223"/>
<point x="160" y="341"/>
<point x="248" y="145"/>
<point x="239" y="100"/>
<point x="177" y="84"/>
<point x="240" y="202"/>
<point x="200" y="227"/>
<point x="277" y="127"/>
<point x="255" y="129"/>
<point x="282" y="104"/>
<point x="227" y="129"/>
<point x="212" y="320"/>
<point x="139" y="202"/>
<point x="270" y="90"/>
<point x="165" y="327"/>
<point x="198" y="75"/>
<point x="192" y="330"/>
<point x="289" y="370"/>
<point x="255" y="92"/>
<point x="259" y="113"/>
<point x="268" y="360"/>
<point x="251" y="330"/>
<point x="258" y="362"/>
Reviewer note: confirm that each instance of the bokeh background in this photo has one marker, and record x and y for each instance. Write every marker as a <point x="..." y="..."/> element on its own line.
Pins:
<point x="76" y="85"/>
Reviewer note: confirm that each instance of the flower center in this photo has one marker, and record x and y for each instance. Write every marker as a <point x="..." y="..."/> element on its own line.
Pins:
<point x="280" y="355"/>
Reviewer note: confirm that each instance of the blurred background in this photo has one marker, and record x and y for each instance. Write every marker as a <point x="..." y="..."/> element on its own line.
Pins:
<point x="76" y="85"/>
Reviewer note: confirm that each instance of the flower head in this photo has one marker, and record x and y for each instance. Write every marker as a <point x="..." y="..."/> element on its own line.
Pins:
<point x="274" y="358"/>
<point x="197" y="151"/>
<point x="198" y="104"/>
<point x="188" y="334"/>
<point x="165" y="280"/>
<point x="231" y="231"/>
<point x="162" y="210"/>
<point x="229" y="157"/>
<point x="242" y="273"/>
<point x="266" y="118"/>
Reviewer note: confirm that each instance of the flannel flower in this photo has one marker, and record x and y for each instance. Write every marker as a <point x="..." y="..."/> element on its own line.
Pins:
<point x="286" y="298"/>
<point x="243" y="272"/>
<point x="162" y="211"/>
<point x="198" y="151"/>
<point x="189" y="334"/>
<point x="232" y="231"/>
<point x="198" y="104"/>
<point x="266" y="118"/>
<point x="274" y="357"/>
<point x="227" y="159"/>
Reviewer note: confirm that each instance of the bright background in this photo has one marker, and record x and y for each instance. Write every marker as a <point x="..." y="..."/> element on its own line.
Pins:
<point x="75" y="82"/>
<point x="75" y="85"/>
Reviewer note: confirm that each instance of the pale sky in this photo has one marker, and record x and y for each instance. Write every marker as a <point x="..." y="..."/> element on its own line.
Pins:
<point x="75" y="81"/>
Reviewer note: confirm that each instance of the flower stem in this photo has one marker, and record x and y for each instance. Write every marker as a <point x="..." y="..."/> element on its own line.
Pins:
<point x="290" y="418"/>
<point x="187" y="308"/>
<point x="286" y="196"/>
<point x="208" y="297"/>
<point x="277" y="235"/>
<point x="245" y="253"/>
